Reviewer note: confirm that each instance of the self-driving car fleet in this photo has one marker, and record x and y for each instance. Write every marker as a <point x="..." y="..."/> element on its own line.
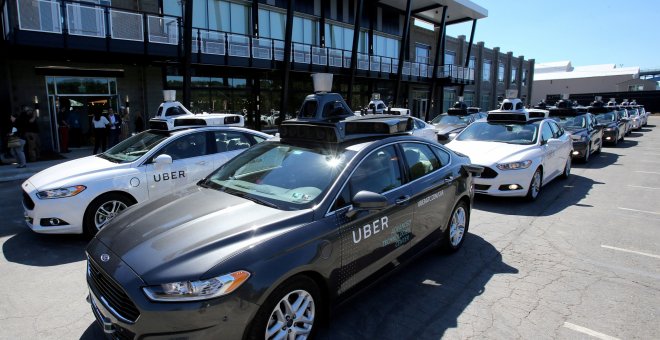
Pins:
<point x="242" y="235"/>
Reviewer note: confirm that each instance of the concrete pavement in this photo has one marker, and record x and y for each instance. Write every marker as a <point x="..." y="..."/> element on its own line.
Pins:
<point x="9" y="172"/>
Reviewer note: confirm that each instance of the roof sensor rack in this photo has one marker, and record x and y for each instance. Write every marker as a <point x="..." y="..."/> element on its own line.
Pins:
<point x="345" y="130"/>
<point x="564" y="108"/>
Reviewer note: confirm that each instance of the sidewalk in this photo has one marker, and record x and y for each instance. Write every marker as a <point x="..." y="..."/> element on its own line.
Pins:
<point x="9" y="172"/>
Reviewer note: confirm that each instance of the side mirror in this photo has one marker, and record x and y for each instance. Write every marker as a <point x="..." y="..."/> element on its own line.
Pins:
<point x="367" y="200"/>
<point x="163" y="159"/>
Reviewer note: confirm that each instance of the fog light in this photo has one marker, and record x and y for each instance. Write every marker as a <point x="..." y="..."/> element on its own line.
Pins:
<point x="575" y="153"/>
<point x="608" y="138"/>
<point x="52" y="222"/>
<point x="514" y="187"/>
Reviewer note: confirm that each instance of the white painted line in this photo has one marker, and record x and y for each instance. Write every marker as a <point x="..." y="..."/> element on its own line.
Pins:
<point x="642" y="211"/>
<point x="640" y="187"/>
<point x="648" y="172"/>
<point x="589" y="332"/>
<point x="630" y="251"/>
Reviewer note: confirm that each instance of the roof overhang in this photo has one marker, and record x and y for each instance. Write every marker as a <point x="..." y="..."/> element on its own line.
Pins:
<point x="431" y="10"/>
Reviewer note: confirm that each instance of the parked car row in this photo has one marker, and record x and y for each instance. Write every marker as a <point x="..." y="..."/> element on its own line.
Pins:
<point x="209" y="231"/>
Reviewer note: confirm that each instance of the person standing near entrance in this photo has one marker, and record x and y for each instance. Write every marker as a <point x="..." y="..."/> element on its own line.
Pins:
<point x="62" y="121"/>
<point x="30" y="123"/>
<point x="15" y="143"/>
<point x="101" y="125"/>
<point x="115" y="127"/>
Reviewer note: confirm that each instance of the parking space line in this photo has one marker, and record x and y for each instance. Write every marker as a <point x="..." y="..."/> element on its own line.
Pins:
<point x="631" y="251"/>
<point x="642" y="211"/>
<point x="648" y="172"/>
<point x="641" y="187"/>
<point x="588" y="331"/>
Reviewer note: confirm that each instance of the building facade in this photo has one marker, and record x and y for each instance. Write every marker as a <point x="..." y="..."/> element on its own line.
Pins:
<point x="250" y="57"/>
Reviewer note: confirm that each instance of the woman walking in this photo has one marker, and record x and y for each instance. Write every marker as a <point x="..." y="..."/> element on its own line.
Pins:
<point x="100" y="132"/>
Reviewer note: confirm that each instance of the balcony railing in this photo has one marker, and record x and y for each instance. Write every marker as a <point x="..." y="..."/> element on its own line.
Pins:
<point x="98" y="21"/>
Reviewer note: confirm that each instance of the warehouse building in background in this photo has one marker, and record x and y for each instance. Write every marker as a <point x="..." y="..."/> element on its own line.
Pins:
<point x="250" y="57"/>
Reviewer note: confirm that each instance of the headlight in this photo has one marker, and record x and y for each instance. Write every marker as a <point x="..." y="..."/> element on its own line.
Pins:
<point x="514" y="165"/>
<point x="61" y="192"/>
<point x="197" y="290"/>
<point x="609" y="129"/>
<point x="579" y="138"/>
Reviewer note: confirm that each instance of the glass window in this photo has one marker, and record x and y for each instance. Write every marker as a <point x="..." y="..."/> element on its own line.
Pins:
<point x="556" y="130"/>
<point x="472" y="62"/>
<point x="514" y="75"/>
<point x="546" y="133"/>
<point x="188" y="146"/>
<point x="450" y="58"/>
<point x="172" y="8"/>
<point x="277" y="23"/>
<point x="268" y="173"/>
<point x="264" y="23"/>
<point x="230" y="141"/>
<point x="199" y="14"/>
<point x="500" y="73"/>
<point x="239" y="18"/>
<point x="500" y="132"/>
<point x="524" y="78"/>
<point x="379" y="172"/>
<point x="422" y="53"/>
<point x="420" y="160"/>
<point x="485" y="72"/>
<point x="442" y="155"/>
<point x="485" y="101"/>
<point x="450" y="98"/>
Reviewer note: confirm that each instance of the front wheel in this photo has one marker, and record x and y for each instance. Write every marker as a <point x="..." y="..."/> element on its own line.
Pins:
<point x="567" y="168"/>
<point x="456" y="229"/>
<point x="587" y="154"/>
<point x="102" y="210"/>
<point x="535" y="185"/>
<point x="290" y="312"/>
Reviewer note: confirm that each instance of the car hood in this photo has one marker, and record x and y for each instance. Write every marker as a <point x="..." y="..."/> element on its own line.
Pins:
<point x="62" y="174"/>
<point x="183" y="235"/>
<point x="489" y="153"/>
<point x="447" y="128"/>
<point x="576" y="131"/>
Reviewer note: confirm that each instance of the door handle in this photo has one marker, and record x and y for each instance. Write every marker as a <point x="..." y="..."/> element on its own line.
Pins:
<point x="449" y="179"/>
<point x="403" y="200"/>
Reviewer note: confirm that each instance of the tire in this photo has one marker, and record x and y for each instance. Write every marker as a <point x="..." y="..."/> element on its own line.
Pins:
<point x="102" y="210"/>
<point x="457" y="228"/>
<point x="276" y="311"/>
<point x="600" y="147"/>
<point x="535" y="185"/>
<point x="616" y="139"/>
<point x="587" y="154"/>
<point x="567" y="168"/>
<point x="623" y="137"/>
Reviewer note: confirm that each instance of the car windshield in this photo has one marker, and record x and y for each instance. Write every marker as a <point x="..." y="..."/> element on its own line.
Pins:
<point x="282" y="176"/>
<point x="500" y="132"/>
<point x="632" y="112"/>
<point x="453" y="120"/>
<point x="135" y="146"/>
<point x="570" y="122"/>
<point x="605" y="117"/>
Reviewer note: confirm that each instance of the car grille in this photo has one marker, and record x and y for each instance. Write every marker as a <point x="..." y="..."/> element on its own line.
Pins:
<point x="481" y="187"/>
<point x="488" y="173"/>
<point x="27" y="201"/>
<point x="112" y="293"/>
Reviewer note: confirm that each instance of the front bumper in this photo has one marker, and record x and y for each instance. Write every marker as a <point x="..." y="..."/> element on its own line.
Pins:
<point x="39" y="212"/>
<point x="221" y="318"/>
<point x="609" y="136"/>
<point x="579" y="149"/>
<point x="636" y="124"/>
<point x="499" y="185"/>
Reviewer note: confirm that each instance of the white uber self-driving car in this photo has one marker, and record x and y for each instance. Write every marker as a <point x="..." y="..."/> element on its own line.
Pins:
<point x="83" y="195"/>
<point x="519" y="154"/>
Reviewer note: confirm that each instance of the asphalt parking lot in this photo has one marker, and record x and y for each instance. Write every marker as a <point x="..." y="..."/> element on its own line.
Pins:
<point x="582" y="262"/>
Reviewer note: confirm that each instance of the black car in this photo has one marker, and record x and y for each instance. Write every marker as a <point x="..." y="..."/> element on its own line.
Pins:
<point x="268" y="243"/>
<point x="586" y="135"/>
<point x="609" y="119"/>
<point x="457" y="118"/>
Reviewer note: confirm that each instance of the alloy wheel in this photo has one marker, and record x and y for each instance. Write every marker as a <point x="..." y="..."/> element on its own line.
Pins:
<point x="457" y="226"/>
<point x="292" y="317"/>
<point x="106" y="212"/>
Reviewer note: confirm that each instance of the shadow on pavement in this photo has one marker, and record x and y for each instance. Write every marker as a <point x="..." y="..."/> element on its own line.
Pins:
<point x="627" y="143"/>
<point x="39" y="250"/>
<point x="598" y="161"/>
<point x="423" y="299"/>
<point x="555" y="197"/>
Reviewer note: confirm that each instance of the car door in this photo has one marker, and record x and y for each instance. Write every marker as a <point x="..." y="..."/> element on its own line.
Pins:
<point x="595" y="134"/>
<point x="550" y="159"/>
<point x="370" y="240"/>
<point x="564" y="150"/>
<point x="190" y="163"/>
<point x="230" y="143"/>
<point x="434" y="187"/>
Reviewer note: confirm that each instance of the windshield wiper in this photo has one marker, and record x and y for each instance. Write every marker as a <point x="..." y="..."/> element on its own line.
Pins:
<point x="106" y="157"/>
<point x="254" y="199"/>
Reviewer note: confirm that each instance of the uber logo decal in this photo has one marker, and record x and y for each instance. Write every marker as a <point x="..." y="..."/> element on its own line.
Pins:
<point x="370" y="229"/>
<point x="166" y="176"/>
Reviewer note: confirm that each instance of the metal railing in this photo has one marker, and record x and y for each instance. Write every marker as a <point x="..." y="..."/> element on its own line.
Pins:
<point x="91" y="20"/>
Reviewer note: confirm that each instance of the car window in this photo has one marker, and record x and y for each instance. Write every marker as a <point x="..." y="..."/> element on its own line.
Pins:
<point x="381" y="106"/>
<point x="420" y="160"/>
<point x="419" y="124"/>
<point x="309" y="109"/>
<point x="546" y="133"/>
<point x="174" y="111"/>
<point x="556" y="130"/>
<point x="442" y="155"/>
<point x="230" y="141"/>
<point x="379" y="172"/>
<point x="188" y="146"/>
<point x="334" y="108"/>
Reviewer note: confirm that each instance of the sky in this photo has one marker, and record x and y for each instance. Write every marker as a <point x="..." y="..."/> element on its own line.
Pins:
<point x="586" y="32"/>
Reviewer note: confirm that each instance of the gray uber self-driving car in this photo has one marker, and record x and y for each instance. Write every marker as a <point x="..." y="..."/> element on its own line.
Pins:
<point x="269" y="242"/>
